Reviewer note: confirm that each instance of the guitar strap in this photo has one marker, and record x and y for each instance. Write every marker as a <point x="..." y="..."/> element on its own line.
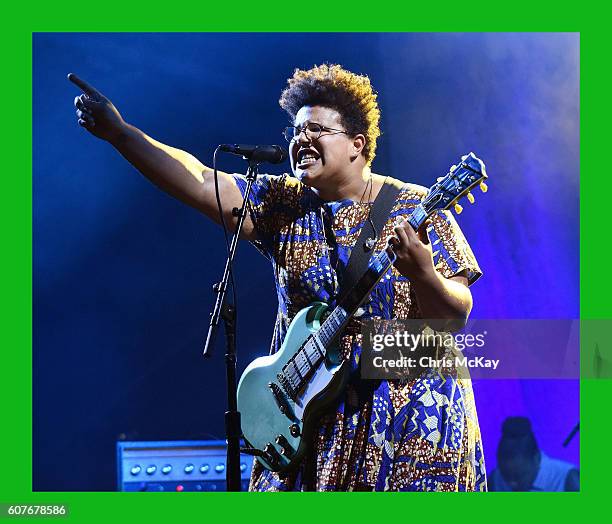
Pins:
<point x="368" y="237"/>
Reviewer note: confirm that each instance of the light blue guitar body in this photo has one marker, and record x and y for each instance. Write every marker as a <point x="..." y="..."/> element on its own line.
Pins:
<point x="262" y="420"/>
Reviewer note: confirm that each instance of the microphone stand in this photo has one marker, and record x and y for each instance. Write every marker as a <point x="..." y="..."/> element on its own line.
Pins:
<point x="571" y="435"/>
<point x="223" y="309"/>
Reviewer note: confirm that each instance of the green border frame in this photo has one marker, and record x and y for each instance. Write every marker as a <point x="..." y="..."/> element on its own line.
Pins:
<point x="16" y="359"/>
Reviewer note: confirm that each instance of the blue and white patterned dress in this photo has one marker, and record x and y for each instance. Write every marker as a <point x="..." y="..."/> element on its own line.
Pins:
<point x="417" y="435"/>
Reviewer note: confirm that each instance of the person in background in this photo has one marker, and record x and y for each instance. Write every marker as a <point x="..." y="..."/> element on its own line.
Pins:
<point x="522" y="466"/>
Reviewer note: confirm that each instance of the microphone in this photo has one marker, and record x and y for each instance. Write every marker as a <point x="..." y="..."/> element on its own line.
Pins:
<point x="272" y="154"/>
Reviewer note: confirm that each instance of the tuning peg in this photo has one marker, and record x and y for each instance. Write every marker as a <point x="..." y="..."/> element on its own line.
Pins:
<point x="458" y="208"/>
<point x="470" y="197"/>
<point x="452" y="168"/>
<point x="483" y="187"/>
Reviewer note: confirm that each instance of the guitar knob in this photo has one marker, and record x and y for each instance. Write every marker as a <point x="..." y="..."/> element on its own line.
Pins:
<point x="271" y="451"/>
<point x="470" y="198"/>
<point x="271" y="455"/>
<point x="294" y="429"/>
<point x="286" y="448"/>
<point x="458" y="208"/>
<point x="483" y="187"/>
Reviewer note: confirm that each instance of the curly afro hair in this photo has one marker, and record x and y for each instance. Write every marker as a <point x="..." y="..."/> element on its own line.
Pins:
<point x="330" y="85"/>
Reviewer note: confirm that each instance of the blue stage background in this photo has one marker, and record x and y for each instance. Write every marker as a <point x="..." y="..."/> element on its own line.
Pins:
<point x="122" y="272"/>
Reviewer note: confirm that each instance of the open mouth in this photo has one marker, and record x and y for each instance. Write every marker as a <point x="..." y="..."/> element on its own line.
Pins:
<point x="307" y="157"/>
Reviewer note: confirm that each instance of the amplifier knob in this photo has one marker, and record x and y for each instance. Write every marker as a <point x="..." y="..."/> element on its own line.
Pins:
<point x="243" y="466"/>
<point x="219" y="468"/>
<point x="166" y="469"/>
<point x="135" y="470"/>
<point x="189" y="468"/>
<point x="204" y="468"/>
<point x="151" y="469"/>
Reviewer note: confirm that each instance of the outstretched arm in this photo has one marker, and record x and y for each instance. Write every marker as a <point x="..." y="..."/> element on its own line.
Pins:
<point x="173" y="170"/>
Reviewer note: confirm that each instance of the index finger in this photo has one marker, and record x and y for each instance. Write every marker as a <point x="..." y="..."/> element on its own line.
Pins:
<point x="87" y="88"/>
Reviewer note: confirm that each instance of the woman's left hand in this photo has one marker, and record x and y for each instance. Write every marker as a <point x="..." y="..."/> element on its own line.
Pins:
<point x="413" y="251"/>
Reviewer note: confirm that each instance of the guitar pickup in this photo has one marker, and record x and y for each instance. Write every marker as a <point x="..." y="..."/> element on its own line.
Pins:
<point x="281" y="401"/>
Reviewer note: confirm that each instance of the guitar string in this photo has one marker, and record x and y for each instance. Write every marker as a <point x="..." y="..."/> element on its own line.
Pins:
<point x="306" y="367"/>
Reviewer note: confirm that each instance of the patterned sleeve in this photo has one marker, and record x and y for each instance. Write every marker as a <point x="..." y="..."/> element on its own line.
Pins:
<point x="451" y="251"/>
<point x="270" y="207"/>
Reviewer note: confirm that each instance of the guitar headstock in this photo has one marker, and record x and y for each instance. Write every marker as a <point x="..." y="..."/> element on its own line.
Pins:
<point x="460" y="180"/>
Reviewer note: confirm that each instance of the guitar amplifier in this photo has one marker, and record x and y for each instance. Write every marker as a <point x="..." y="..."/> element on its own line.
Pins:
<point x="187" y="465"/>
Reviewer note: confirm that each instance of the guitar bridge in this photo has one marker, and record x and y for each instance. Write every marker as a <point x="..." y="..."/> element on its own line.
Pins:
<point x="281" y="401"/>
<point x="287" y="387"/>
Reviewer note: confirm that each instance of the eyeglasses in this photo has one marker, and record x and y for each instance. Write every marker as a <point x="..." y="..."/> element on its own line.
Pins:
<point x="313" y="131"/>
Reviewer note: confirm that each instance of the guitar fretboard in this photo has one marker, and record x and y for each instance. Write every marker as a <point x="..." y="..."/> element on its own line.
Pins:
<point x="296" y="372"/>
<point x="299" y="368"/>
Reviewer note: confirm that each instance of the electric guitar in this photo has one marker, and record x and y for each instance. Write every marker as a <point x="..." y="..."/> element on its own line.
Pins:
<point x="281" y="397"/>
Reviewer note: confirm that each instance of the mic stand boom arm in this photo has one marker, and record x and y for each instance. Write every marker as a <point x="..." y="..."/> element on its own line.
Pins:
<point x="227" y="311"/>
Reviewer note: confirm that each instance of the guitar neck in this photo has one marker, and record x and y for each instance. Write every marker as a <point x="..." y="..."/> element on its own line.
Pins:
<point x="462" y="177"/>
<point x="418" y="217"/>
<point x="378" y="266"/>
